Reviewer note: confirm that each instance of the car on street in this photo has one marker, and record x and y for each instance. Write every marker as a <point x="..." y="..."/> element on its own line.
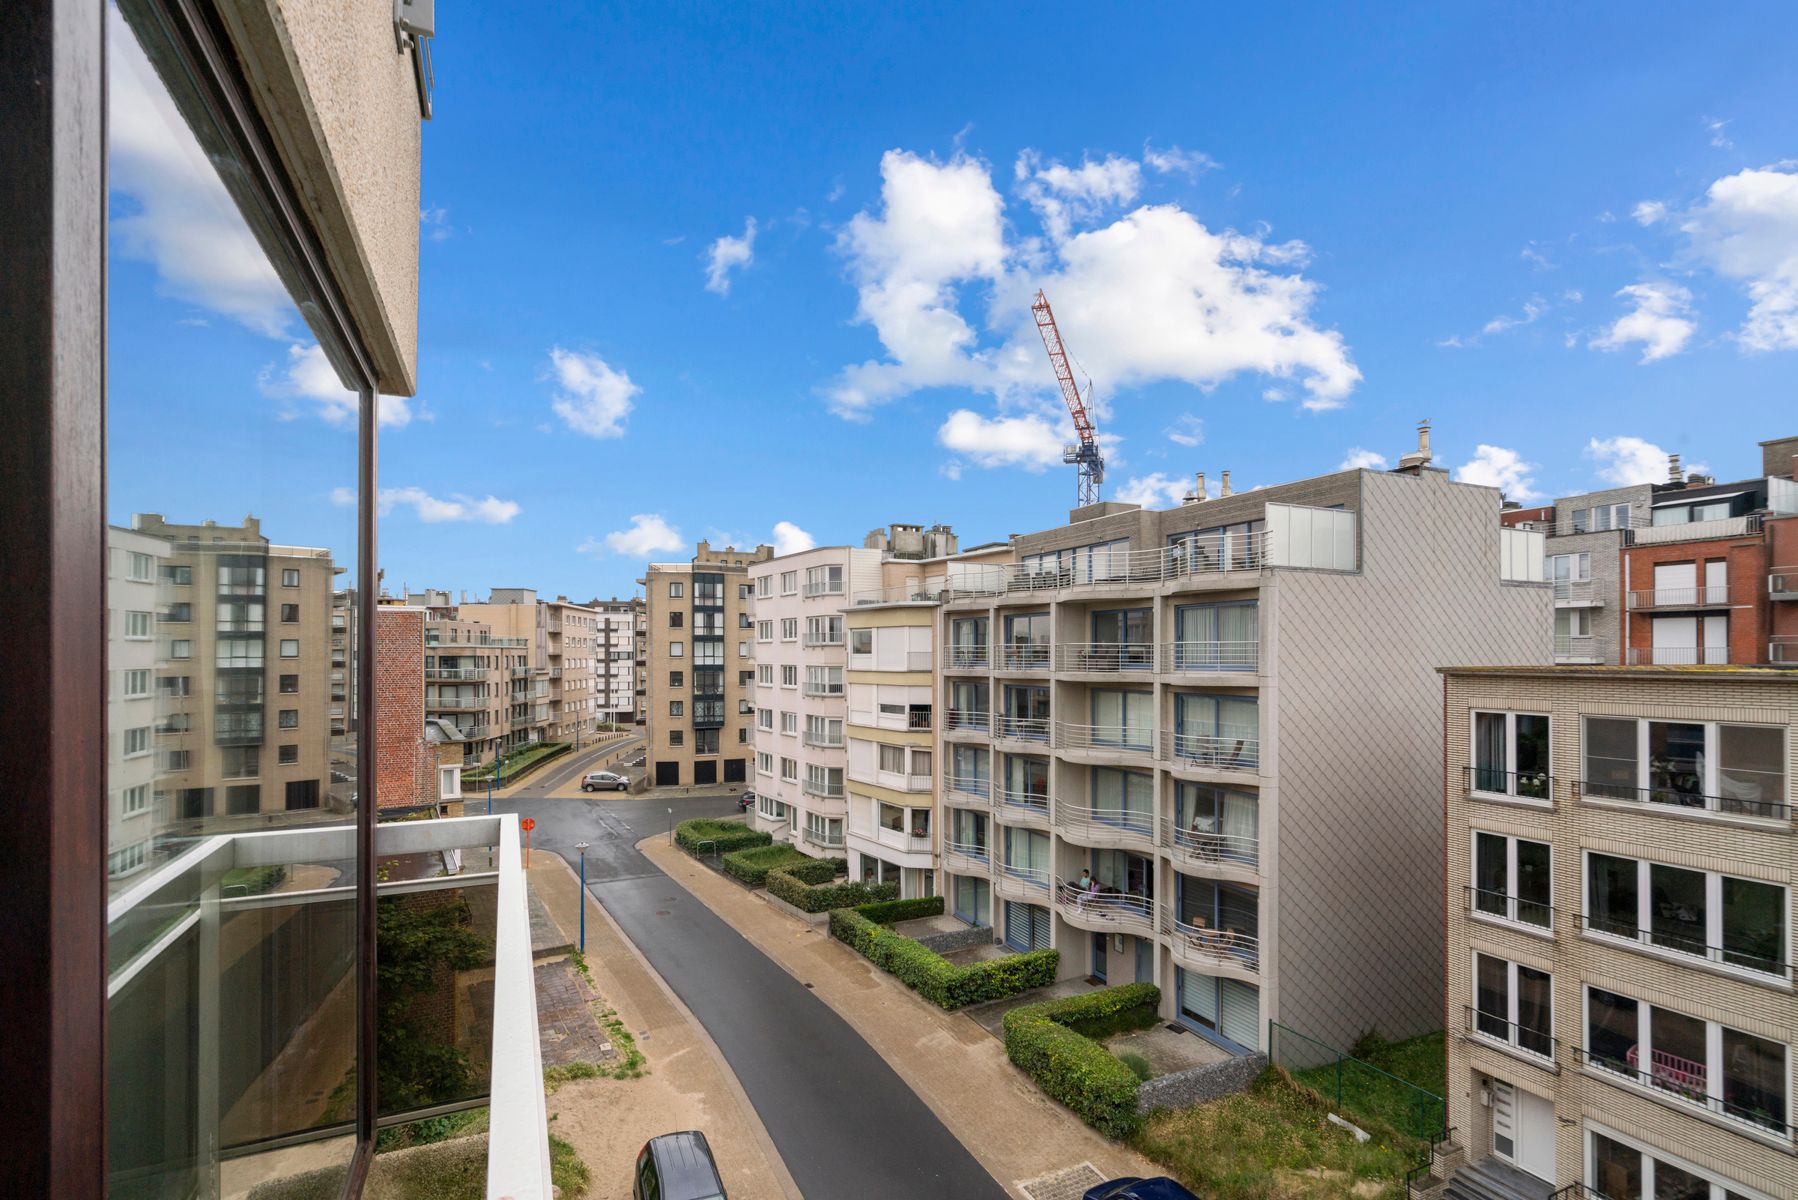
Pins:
<point x="604" y="781"/>
<point x="677" y="1166"/>
<point x="1132" y="1188"/>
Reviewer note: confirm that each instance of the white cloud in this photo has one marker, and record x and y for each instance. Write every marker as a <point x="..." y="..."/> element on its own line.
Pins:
<point x="182" y="221"/>
<point x="950" y="470"/>
<point x="1533" y="255"/>
<point x="1659" y="321"/>
<point x="1625" y="460"/>
<point x="1719" y="139"/>
<point x="790" y="539"/>
<point x="488" y="510"/>
<point x="1175" y="160"/>
<point x="1359" y="459"/>
<point x="649" y="534"/>
<point x="1747" y="229"/>
<point x="434" y="223"/>
<point x="1531" y="310"/>
<point x="1154" y="295"/>
<point x="1028" y="441"/>
<point x="1648" y="212"/>
<point x="1152" y="491"/>
<point x="1495" y="466"/>
<point x="1187" y="430"/>
<point x="591" y="397"/>
<point x="728" y="254"/>
<point x="1062" y="194"/>
<point x="309" y="376"/>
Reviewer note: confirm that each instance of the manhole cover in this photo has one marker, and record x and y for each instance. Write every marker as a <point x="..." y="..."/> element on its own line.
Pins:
<point x="661" y="912"/>
<point x="1069" y="1184"/>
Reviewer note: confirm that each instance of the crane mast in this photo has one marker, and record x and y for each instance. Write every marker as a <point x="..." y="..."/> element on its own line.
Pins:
<point x="1084" y="452"/>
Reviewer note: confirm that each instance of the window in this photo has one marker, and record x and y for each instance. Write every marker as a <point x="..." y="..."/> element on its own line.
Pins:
<point x="742" y="591"/>
<point x="676" y="590"/>
<point x="892" y="758"/>
<point x="137" y="625"/>
<point x="178" y="612"/>
<point x="745" y="621"/>
<point x="1726" y="1071"/>
<point x="1623" y="1169"/>
<point x="789" y="770"/>
<point x="1124" y="798"/>
<point x="1511" y="880"/>
<point x="237" y="762"/>
<point x="861" y="641"/>
<point x="181" y="575"/>
<point x="764" y="765"/>
<point x="1723" y="919"/>
<point x="1123" y="719"/>
<point x="179" y="760"/>
<point x="677" y="679"/>
<point x="181" y="648"/>
<point x="705" y="741"/>
<point x="1737" y="770"/>
<point x="136" y="684"/>
<point x="789" y="675"/>
<point x="764" y="674"/>
<point x="290" y="613"/>
<point x="1510" y="755"/>
<point x="1513" y="1004"/>
<point x="824" y="631"/>
<point x="824" y="731"/>
<point x="302" y="793"/>
<point x="137" y="741"/>
<point x="1570" y="568"/>
<point x="824" y="681"/>
<point x="677" y="737"/>
<point x="824" y="581"/>
<point x="290" y="718"/>
<point x="139" y="567"/>
<point x="764" y="586"/>
<point x="677" y="649"/>
<point x="743" y="650"/>
<point x="243" y="798"/>
<point x="290" y="684"/>
<point x="677" y="708"/>
<point x="1216" y="731"/>
<point x="290" y="647"/>
<point x="789" y="629"/>
<point x="288" y="754"/>
<point x="823" y="781"/>
<point x="1605" y="516"/>
<point x="134" y="800"/>
<point x="129" y="858"/>
<point x="789" y="583"/>
<point x="968" y="770"/>
<point x="764" y="631"/>
<point x="789" y="722"/>
<point x="677" y="619"/>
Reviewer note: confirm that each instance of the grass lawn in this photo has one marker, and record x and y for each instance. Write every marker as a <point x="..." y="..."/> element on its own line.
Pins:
<point x="514" y="762"/>
<point x="1369" y="1095"/>
<point x="1272" y="1142"/>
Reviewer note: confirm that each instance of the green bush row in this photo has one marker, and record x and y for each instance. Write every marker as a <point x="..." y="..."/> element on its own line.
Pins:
<point x="752" y="865"/>
<point x="1074" y="1069"/>
<point x="891" y="912"/>
<point x="930" y="974"/>
<point x="817" y="870"/>
<point x="706" y="835"/>
<point x="791" y="884"/>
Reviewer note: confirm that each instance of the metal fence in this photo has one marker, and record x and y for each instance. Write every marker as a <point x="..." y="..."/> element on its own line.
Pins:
<point x="1357" y="1088"/>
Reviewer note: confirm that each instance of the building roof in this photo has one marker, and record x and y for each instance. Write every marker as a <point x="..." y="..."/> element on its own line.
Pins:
<point x="1619" y="671"/>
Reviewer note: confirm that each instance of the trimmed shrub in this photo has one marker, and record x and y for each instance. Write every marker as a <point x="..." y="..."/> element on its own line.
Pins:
<point x="807" y="869"/>
<point x="790" y="884"/>
<point x="1101" y="1013"/>
<point x="891" y="912"/>
<point x="1139" y="1066"/>
<point x="705" y="835"/>
<point x="1074" y="1069"/>
<point x="752" y="865"/>
<point x="930" y="974"/>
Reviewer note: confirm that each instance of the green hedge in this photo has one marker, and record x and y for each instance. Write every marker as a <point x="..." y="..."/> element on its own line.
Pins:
<point x="817" y="870"/>
<point x="705" y="835"/>
<point x="752" y="865"/>
<point x="930" y="974"/>
<point x="1074" y="1069"/>
<point x="891" y="912"/>
<point x="793" y="885"/>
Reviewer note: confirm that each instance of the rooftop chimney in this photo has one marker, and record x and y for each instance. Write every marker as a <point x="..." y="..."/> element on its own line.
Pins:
<point x="1197" y="495"/>
<point x="1674" y="474"/>
<point x="1419" y="458"/>
<point x="1224" y="487"/>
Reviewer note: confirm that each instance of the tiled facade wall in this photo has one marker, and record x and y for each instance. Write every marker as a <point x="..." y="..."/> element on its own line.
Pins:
<point x="1581" y="1095"/>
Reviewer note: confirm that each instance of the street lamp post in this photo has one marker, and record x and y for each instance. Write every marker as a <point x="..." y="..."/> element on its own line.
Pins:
<point x="582" y="847"/>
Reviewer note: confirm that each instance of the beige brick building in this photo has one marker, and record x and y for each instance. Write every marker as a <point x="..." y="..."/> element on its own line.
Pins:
<point x="698" y="667"/>
<point x="1620" y="867"/>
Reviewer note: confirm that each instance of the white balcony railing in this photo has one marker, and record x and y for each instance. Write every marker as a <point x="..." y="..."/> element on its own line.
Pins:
<point x="1697" y="531"/>
<point x="824" y="839"/>
<point x="971" y="658"/>
<point x="1199" y="942"/>
<point x="1677" y="656"/>
<point x="1210" y="656"/>
<point x="1572" y="648"/>
<point x="1108" y="826"/>
<point x="1036" y="877"/>
<point x="831" y="587"/>
<point x="1575" y="592"/>
<point x="957" y="720"/>
<point x="1782" y="584"/>
<point x="457" y="702"/>
<point x="1218" y="752"/>
<point x="1206" y="555"/>
<point x="1125" y="738"/>
<point x="1022" y="807"/>
<point x="1029" y="729"/>
<point x="823" y="741"/>
<point x="1105" y="657"/>
<point x="1210" y="849"/>
<point x="824" y="789"/>
<point x="1035" y="656"/>
<point x="1101" y="909"/>
<point x="815" y="687"/>
<point x="1683" y="597"/>
<point x="455" y="673"/>
<point x="967" y="789"/>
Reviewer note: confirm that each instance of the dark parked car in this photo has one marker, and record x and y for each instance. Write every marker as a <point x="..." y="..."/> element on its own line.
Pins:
<point x="677" y="1166"/>
<point x="1131" y="1188"/>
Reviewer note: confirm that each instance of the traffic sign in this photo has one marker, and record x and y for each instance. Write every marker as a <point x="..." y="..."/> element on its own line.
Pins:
<point x="528" y="824"/>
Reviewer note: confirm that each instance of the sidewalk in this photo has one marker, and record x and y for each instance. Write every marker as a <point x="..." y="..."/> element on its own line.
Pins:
<point x="955" y="1066"/>
<point x="688" y="1084"/>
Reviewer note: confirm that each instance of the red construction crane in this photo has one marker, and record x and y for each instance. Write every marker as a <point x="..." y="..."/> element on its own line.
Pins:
<point x="1085" y="452"/>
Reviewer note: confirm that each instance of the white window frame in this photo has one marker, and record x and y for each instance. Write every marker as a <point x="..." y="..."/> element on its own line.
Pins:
<point x="677" y="649"/>
<point x="137" y="736"/>
<point x="789" y="675"/>
<point x="136" y="676"/>
<point x="134" y="799"/>
<point x="789" y="770"/>
<point x="1510" y="771"/>
<point x="764" y="631"/>
<point x="139" y="625"/>
<point x="1713" y="920"/>
<point x="290" y="647"/>
<point x="789" y="583"/>
<point x="1713" y="765"/>
<point x="1512" y="902"/>
<point x="764" y="719"/>
<point x="140" y="568"/>
<point x="789" y="724"/>
<point x="1509" y="1042"/>
<point x="1719" y="1185"/>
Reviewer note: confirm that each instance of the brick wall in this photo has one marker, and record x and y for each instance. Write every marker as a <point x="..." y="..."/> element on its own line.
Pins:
<point x="1750" y="621"/>
<point x="401" y="775"/>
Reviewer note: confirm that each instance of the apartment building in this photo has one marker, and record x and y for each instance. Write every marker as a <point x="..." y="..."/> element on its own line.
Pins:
<point x="570" y="639"/>
<point x="466" y="676"/>
<point x="418" y="757"/>
<point x="1620" y="874"/>
<point x="1226" y="713"/>
<point x="698" y="665"/>
<point x="250" y="701"/>
<point x="617" y="623"/>
<point x="134" y="592"/>
<point x="519" y="632"/>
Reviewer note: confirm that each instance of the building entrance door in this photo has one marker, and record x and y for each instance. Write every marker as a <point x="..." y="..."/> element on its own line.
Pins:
<point x="1523" y="1130"/>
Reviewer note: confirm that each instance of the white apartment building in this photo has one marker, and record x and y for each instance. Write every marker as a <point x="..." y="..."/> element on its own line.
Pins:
<point x="135" y="606"/>
<point x="1228" y="714"/>
<point x="615" y="683"/>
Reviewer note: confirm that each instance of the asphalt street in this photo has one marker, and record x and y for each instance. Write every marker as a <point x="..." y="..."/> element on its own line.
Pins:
<point x="848" y="1127"/>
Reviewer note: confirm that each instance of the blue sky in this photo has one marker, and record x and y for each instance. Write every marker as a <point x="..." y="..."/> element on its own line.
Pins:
<point x="1274" y="240"/>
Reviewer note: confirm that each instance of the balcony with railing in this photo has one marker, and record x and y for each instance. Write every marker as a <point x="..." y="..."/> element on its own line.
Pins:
<point x="1021" y="729"/>
<point x="1517" y="785"/>
<point x="1109" y="739"/>
<point x="1759" y="805"/>
<point x="824" y="839"/>
<point x="1696" y="531"/>
<point x="976" y="658"/>
<point x="823" y="740"/>
<point x="455" y="673"/>
<point x="1027" y="808"/>
<point x="1210" y="852"/>
<point x="1576" y="593"/>
<point x="968" y="721"/>
<point x="966" y="858"/>
<point x="826" y="587"/>
<point x="1104" y="658"/>
<point x="1512" y="1035"/>
<point x="1211" y="751"/>
<point x="1238" y="657"/>
<point x="1033" y="657"/>
<point x="1105" y="911"/>
<point x="1576" y="648"/>
<point x="1514" y="910"/>
<point x="1106" y="828"/>
<point x="1783" y="649"/>
<point x="822" y="687"/>
<point x="1678" y="656"/>
<point x="1782" y="584"/>
<point x="1122" y="569"/>
<point x="823" y="789"/>
<point x="1686" y="1082"/>
<point x="1021" y="880"/>
<point x="968" y="790"/>
<point x="453" y="703"/>
<point x="1754" y="948"/>
<point x="1198" y="944"/>
<point x="1678" y="597"/>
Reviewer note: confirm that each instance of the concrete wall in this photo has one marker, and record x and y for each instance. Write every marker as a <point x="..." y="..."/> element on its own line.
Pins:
<point x="341" y="102"/>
